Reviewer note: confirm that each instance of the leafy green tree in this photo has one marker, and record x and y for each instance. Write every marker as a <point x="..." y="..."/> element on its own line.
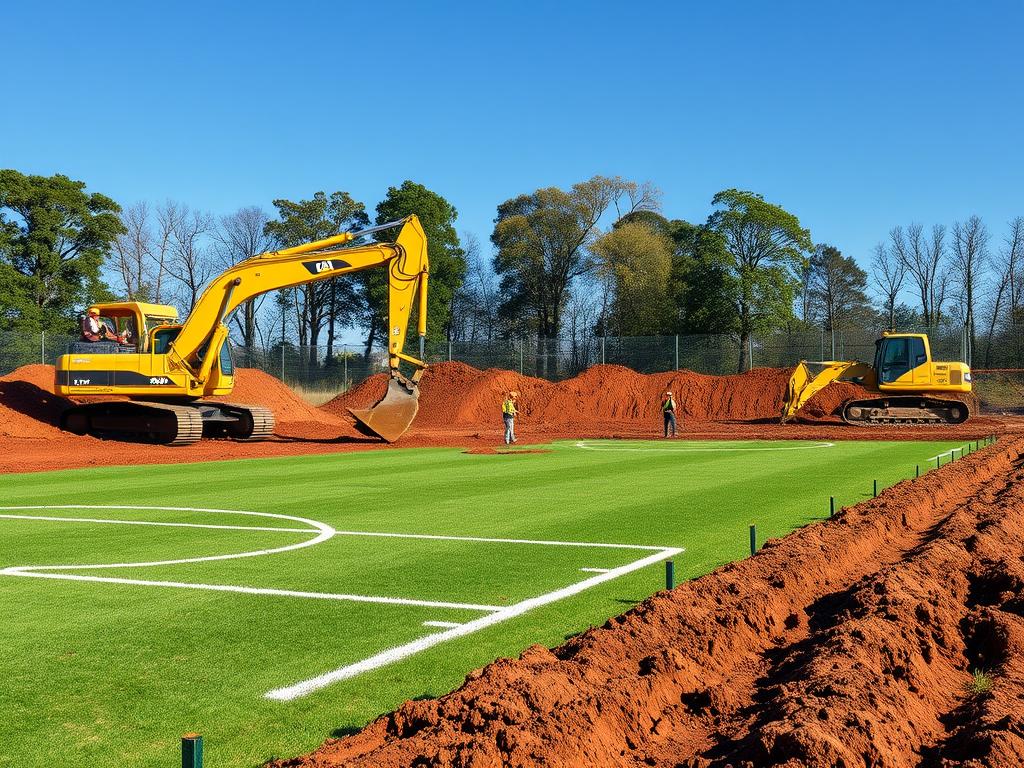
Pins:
<point x="702" y="286"/>
<point x="636" y="258"/>
<point x="447" y="259"/>
<point x="766" y="247"/>
<point x="54" y="238"/>
<point x="836" y="288"/>
<point x="543" y="241"/>
<point x="339" y="301"/>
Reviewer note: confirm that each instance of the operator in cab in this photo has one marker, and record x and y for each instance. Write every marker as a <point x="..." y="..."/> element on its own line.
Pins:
<point x="94" y="329"/>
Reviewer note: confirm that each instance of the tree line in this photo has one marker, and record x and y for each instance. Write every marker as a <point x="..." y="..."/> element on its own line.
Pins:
<point x="599" y="258"/>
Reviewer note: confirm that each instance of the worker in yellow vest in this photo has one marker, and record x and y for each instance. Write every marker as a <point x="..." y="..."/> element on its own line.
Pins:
<point x="668" y="409"/>
<point x="508" y="415"/>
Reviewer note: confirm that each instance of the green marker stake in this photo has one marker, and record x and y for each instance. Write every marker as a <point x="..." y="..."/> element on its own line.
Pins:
<point x="753" y="539"/>
<point x="191" y="751"/>
<point x="917" y="470"/>
<point x="831" y="506"/>
<point x="875" y="491"/>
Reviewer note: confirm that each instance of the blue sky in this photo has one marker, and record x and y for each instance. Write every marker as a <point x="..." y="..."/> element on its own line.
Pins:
<point x="855" y="116"/>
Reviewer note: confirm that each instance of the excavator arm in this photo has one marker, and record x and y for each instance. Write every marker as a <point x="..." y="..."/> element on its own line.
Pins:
<point x="804" y="383"/>
<point x="196" y="346"/>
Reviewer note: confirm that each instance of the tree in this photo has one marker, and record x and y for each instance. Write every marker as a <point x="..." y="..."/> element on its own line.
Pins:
<point x="703" y="289"/>
<point x="190" y="263"/>
<point x="331" y="302"/>
<point x="924" y="261"/>
<point x="638" y="260"/>
<point x="888" y="274"/>
<point x="970" y="252"/>
<point x="542" y="241"/>
<point x="836" y="286"/>
<point x="475" y="305"/>
<point x="447" y="259"/>
<point x="134" y="251"/>
<point x="766" y="246"/>
<point x="54" y="238"/>
<point x="240" y="236"/>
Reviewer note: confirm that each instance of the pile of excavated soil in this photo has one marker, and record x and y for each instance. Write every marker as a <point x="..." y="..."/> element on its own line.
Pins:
<point x="254" y="387"/>
<point x="28" y="407"/>
<point x="848" y="643"/>
<point x="457" y="394"/>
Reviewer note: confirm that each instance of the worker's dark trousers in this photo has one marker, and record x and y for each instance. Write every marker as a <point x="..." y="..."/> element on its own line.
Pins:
<point x="670" y="423"/>
<point x="510" y="433"/>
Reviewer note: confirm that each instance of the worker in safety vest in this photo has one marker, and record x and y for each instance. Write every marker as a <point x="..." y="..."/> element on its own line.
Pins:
<point x="508" y="415"/>
<point x="668" y="409"/>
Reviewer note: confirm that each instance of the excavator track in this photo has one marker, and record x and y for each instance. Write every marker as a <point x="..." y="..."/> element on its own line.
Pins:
<point x="161" y="423"/>
<point x="905" y="410"/>
<point x="169" y="423"/>
<point x="251" y="423"/>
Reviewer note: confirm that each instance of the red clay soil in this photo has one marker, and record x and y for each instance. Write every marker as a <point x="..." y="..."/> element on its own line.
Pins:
<point x="848" y="643"/>
<point x="459" y="407"/>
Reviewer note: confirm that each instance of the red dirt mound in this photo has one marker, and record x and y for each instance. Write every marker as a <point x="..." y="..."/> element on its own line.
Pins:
<point x="848" y="643"/>
<point x="254" y="387"/>
<point x="455" y="394"/>
<point x="28" y="407"/>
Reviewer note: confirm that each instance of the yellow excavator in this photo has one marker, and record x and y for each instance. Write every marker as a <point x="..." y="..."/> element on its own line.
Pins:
<point x="166" y="368"/>
<point x="907" y="387"/>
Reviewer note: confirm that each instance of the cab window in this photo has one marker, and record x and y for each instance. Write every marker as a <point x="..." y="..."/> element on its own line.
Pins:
<point x="895" y="360"/>
<point x="917" y="353"/>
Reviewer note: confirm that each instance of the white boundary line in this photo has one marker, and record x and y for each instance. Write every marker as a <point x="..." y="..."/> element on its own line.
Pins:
<point x="392" y="655"/>
<point x="495" y="614"/>
<point x="680" y="447"/>
<point x="948" y="453"/>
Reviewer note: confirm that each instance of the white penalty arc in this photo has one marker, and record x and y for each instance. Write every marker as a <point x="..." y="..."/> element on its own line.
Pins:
<point x="646" y="446"/>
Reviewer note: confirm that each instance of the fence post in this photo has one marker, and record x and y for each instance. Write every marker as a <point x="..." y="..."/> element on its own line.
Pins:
<point x="449" y="351"/>
<point x="833" y="344"/>
<point x="345" y="356"/>
<point x="750" y="351"/>
<point x="602" y="350"/>
<point x="282" y="359"/>
<point x="42" y="347"/>
<point x="822" y="344"/>
<point x="522" y="344"/>
<point x="677" y="351"/>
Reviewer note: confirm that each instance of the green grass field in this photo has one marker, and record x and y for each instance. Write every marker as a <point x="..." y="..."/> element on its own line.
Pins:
<point x="103" y="671"/>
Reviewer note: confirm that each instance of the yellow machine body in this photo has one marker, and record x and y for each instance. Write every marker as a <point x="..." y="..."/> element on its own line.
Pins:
<point x="902" y="371"/>
<point x="168" y="362"/>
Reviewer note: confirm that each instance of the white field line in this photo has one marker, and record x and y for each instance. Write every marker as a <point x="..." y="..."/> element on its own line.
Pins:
<point x="150" y="522"/>
<point x="445" y="624"/>
<point x="495" y="614"/>
<point x="392" y="655"/>
<point x="680" y="447"/>
<point x="595" y="570"/>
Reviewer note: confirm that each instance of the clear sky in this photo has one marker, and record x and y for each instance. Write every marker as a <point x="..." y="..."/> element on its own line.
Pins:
<point x="855" y="116"/>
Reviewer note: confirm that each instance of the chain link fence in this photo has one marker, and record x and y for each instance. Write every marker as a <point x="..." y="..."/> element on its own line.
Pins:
<point x="329" y="371"/>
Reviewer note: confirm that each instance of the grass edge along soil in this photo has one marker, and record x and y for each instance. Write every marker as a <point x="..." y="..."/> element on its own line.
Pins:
<point x="850" y="642"/>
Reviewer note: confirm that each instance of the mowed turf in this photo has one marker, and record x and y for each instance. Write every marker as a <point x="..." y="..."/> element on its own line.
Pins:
<point x="111" y="674"/>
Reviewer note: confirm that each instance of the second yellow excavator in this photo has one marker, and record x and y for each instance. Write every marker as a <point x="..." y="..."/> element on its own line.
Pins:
<point x="166" y="368"/>
<point x="904" y="384"/>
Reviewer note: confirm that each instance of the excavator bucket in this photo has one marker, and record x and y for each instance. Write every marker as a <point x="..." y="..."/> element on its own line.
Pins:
<point x="797" y="382"/>
<point x="392" y="415"/>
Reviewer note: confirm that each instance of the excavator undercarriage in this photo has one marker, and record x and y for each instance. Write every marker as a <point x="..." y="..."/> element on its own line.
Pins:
<point x="169" y="423"/>
<point x="905" y="411"/>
